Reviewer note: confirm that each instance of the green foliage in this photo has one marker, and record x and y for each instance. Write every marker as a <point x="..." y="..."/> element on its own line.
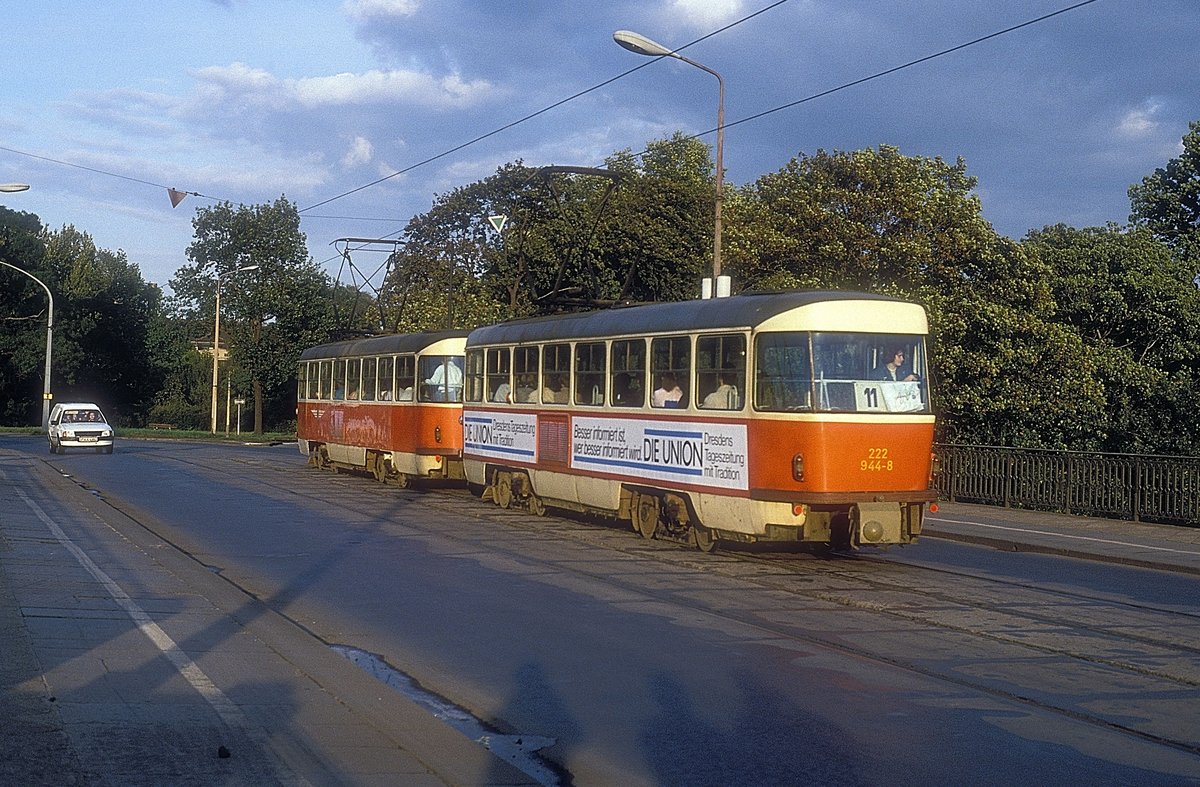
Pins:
<point x="1167" y="202"/>
<point x="270" y="314"/>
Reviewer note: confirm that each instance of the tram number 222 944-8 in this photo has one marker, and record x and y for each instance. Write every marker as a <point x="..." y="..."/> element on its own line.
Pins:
<point x="877" y="459"/>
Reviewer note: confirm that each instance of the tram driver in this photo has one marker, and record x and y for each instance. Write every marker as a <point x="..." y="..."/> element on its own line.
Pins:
<point x="894" y="369"/>
<point x="446" y="382"/>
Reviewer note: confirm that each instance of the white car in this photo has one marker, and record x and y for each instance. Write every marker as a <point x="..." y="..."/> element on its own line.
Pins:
<point x="79" y="425"/>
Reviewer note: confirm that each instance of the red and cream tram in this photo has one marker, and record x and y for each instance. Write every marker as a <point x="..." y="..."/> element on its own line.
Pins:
<point x="788" y="416"/>
<point x="785" y="416"/>
<point x="391" y="405"/>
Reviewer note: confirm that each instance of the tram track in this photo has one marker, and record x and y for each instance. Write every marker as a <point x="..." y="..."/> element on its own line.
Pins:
<point x="863" y="584"/>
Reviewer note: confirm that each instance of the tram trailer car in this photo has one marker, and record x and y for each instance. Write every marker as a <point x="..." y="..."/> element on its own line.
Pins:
<point x="788" y="416"/>
<point x="783" y="416"/>
<point x="390" y="405"/>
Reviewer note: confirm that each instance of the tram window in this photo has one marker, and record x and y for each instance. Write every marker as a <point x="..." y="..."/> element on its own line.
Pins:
<point x="353" y="377"/>
<point x="475" y="389"/>
<point x="556" y="371"/>
<point x="302" y="381"/>
<point x="499" y="375"/>
<point x="589" y="373"/>
<point x="387" y="381"/>
<point x="368" y="379"/>
<point x="314" y="380"/>
<point x="441" y="378"/>
<point x="629" y="373"/>
<point x="720" y="371"/>
<point x="784" y="372"/>
<point x="669" y="371"/>
<point x="339" y="379"/>
<point x="525" y="370"/>
<point x="406" y="377"/>
<point x="326" y="380"/>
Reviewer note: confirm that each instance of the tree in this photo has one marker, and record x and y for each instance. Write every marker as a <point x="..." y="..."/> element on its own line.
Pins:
<point x="1167" y="202"/>
<point x="1133" y="303"/>
<point x="878" y="221"/>
<point x="23" y="316"/>
<point x="268" y="315"/>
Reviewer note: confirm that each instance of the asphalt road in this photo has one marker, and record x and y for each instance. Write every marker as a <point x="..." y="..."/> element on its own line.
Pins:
<point x="645" y="663"/>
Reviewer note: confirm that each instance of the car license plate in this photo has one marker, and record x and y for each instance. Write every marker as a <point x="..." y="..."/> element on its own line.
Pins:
<point x="88" y="439"/>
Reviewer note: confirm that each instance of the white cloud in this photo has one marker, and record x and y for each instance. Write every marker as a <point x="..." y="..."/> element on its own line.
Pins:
<point x="373" y="9"/>
<point x="359" y="153"/>
<point x="706" y="14"/>
<point x="1140" y="123"/>
<point x="259" y="87"/>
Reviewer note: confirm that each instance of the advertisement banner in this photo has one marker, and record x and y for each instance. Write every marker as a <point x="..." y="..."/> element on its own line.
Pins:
<point x="511" y="436"/>
<point x="699" y="454"/>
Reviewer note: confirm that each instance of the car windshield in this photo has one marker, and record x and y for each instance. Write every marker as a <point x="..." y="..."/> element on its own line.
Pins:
<point x="841" y="372"/>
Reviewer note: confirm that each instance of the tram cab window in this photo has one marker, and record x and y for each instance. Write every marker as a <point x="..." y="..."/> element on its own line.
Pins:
<point x="441" y="378"/>
<point x="387" y="380"/>
<point x="302" y="381"/>
<point x="339" y="379"/>
<point x="589" y="373"/>
<point x="406" y="378"/>
<point x="670" y="371"/>
<point x="499" y="375"/>
<point x="326" y="384"/>
<point x="628" y="370"/>
<point x="369" y="366"/>
<point x="525" y="372"/>
<point x="720" y="371"/>
<point x="840" y="372"/>
<point x="556" y="374"/>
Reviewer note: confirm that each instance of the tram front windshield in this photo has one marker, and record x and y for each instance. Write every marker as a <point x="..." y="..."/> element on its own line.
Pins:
<point x="841" y="373"/>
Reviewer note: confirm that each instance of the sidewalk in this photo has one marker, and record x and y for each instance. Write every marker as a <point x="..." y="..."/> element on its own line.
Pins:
<point x="126" y="662"/>
<point x="1164" y="547"/>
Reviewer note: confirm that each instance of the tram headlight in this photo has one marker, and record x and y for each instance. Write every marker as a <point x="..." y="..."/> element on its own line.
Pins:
<point x="872" y="531"/>
<point x="798" y="467"/>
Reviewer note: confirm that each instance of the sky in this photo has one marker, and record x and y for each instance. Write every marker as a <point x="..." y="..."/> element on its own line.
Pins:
<point x="107" y="105"/>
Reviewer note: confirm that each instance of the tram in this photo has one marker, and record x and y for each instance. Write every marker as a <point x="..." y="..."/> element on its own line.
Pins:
<point x="792" y="416"/>
<point x="783" y="416"/>
<point x="390" y="405"/>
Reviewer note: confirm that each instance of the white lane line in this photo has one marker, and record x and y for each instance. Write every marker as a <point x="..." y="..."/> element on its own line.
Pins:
<point x="231" y="714"/>
<point x="1064" y="535"/>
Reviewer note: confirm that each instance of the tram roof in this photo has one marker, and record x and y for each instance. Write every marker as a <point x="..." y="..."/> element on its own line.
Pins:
<point x="380" y="345"/>
<point x="737" y="311"/>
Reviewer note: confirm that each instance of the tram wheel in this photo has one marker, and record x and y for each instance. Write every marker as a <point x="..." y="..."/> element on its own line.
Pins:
<point x="537" y="506"/>
<point x="379" y="468"/>
<point x="399" y="479"/>
<point x="645" y="515"/>
<point x="504" y="490"/>
<point x="702" y="538"/>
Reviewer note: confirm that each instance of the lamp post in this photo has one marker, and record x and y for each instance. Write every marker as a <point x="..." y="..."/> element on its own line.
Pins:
<point x="49" y="342"/>
<point x="639" y="44"/>
<point x="217" y="338"/>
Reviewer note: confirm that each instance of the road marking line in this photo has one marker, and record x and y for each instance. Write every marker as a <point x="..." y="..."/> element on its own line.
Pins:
<point x="231" y="714"/>
<point x="1064" y="535"/>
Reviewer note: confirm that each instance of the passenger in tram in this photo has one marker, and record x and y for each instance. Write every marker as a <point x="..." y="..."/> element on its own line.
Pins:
<point x="405" y="394"/>
<point x="894" y="369"/>
<point x="668" y="394"/>
<point x="725" y="396"/>
<point x="527" y="388"/>
<point x="503" y="393"/>
<point x="626" y="393"/>
<point x="449" y="373"/>
<point x="554" y="391"/>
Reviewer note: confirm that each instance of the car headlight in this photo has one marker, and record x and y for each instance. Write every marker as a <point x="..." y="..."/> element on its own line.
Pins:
<point x="106" y="433"/>
<point x="67" y="433"/>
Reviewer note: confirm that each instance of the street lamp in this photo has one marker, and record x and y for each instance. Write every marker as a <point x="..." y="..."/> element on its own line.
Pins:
<point x="217" y="338"/>
<point x="639" y="44"/>
<point x="49" y="343"/>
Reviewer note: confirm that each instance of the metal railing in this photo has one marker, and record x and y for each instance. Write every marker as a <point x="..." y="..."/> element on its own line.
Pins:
<point x="1122" y="486"/>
